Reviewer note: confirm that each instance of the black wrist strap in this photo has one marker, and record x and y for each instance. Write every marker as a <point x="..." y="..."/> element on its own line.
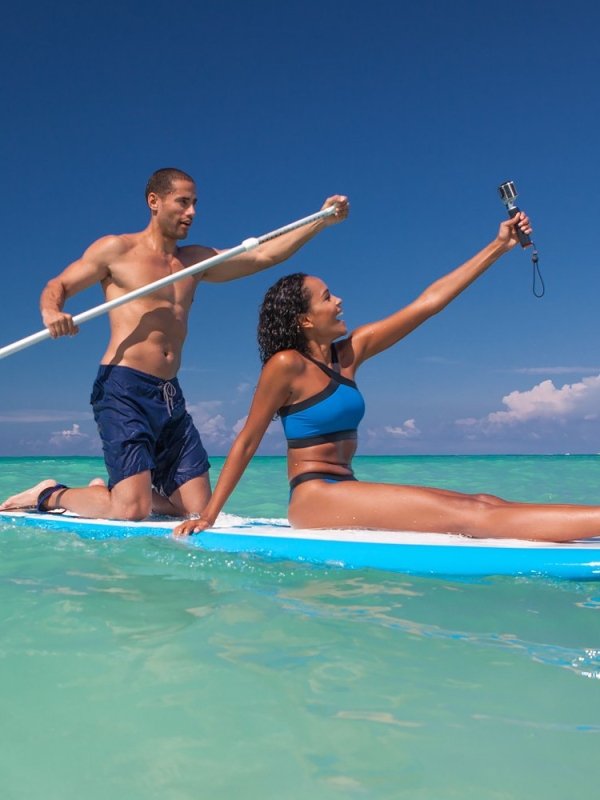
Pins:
<point x="536" y="273"/>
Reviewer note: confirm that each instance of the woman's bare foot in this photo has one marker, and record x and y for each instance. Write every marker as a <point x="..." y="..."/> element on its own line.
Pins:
<point x="26" y="499"/>
<point x="97" y="482"/>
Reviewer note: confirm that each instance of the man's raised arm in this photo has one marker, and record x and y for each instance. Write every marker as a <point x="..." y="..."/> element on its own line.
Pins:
<point x="277" y="250"/>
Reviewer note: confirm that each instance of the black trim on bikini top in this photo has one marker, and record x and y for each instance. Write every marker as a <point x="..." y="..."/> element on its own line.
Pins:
<point x="335" y="377"/>
<point x="323" y="438"/>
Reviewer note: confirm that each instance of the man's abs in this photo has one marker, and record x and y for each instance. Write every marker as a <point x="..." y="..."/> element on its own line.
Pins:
<point x="150" y="342"/>
<point x="160" y="362"/>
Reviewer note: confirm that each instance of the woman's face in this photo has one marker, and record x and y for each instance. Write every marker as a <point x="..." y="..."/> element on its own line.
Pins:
<point x="325" y="310"/>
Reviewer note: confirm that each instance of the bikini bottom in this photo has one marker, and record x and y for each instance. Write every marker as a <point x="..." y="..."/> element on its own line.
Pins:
<point x="318" y="476"/>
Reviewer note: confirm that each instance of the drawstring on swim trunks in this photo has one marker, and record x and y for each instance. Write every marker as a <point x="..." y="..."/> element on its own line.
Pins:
<point x="169" y="393"/>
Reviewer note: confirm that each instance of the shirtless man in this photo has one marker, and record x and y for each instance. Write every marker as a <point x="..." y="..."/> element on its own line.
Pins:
<point x="153" y="453"/>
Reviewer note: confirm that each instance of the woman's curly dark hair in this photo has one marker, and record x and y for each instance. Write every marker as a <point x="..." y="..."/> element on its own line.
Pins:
<point x="278" y="327"/>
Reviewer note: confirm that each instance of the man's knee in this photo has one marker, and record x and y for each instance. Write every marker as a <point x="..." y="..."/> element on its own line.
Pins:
<point x="131" y="499"/>
<point x="132" y="510"/>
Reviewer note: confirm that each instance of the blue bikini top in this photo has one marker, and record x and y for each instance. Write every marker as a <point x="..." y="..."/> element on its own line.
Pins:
<point x="331" y="415"/>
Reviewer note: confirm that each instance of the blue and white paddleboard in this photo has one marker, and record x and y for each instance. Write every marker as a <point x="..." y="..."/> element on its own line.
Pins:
<point x="410" y="553"/>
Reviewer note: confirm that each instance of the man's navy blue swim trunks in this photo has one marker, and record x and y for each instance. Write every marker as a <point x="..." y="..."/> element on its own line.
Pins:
<point x="143" y="425"/>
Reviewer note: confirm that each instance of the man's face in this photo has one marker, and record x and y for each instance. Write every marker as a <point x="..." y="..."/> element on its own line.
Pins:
<point x="175" y="211"/>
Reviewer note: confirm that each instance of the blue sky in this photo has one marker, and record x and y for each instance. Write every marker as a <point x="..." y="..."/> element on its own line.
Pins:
<point x="415" y="111"/>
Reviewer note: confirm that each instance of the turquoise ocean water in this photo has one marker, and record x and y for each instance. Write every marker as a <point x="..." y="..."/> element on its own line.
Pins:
<point x="143" y="668"/>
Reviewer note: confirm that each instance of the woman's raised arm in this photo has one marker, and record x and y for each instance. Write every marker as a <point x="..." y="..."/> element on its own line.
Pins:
<point x="368" y="340"/>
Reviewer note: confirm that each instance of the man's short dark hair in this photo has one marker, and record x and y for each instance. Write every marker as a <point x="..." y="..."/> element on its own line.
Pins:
<point x="161" y="182"/>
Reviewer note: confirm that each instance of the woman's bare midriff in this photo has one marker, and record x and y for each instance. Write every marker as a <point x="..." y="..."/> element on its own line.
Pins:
<point x="333" y="457"/>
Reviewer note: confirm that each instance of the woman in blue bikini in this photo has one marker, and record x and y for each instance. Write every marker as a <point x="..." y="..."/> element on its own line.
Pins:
<point x="308" y="381"/>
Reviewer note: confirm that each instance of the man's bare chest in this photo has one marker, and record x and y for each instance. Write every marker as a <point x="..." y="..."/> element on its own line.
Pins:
<point x="129" y="275"/>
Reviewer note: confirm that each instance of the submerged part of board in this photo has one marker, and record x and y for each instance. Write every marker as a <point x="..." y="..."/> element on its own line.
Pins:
<point x="410" y="553"/>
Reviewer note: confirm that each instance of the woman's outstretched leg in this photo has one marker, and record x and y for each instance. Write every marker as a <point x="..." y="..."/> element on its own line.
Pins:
<point x="318" y="504"/>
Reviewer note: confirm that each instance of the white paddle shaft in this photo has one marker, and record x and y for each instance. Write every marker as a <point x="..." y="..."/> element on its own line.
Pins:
<point x="247" y="244"/>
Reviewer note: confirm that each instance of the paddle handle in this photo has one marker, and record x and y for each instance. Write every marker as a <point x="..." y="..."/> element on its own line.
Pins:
<point x="247" y="244"/>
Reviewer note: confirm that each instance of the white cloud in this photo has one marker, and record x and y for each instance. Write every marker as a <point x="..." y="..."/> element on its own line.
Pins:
<point x="70" y="436"/>
<point x="239" y="425"/>
<point x="544" y="402"/>
<point x="408" y="429"/>
<point x="211" y="425"/>
<point x="216" y="431"/>
<point x="206" y="415"/>
<point x="204" y="409"/>
<point x="214" y="427"/>
<point x="274" y="426"/>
